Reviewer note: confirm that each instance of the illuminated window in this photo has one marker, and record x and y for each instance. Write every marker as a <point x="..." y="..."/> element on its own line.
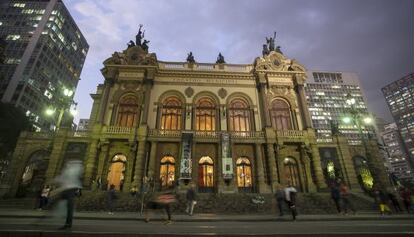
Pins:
<point x="167" y="171"/>
<point x="205" y="115"/>
<point x="127" y="112"/>
<point x="239" y="116"/>
<point x="171" y="114"/>
<point x="116" y="172"/>
<point x="363" y="173"/>
<point x="280" y="115"/>
<point x="205" y="174"/>
<point x="244" y="173"/>
<point x="13" y="37"/>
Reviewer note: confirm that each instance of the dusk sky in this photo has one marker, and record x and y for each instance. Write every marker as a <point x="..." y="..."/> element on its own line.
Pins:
<point x="373" y="38"/>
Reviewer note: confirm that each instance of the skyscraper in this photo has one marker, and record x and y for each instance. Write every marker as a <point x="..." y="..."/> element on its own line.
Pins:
<point x="397" y="157"/>
<point x="44" y="55"/>
<point x="326" y="94"/>
<point x="400" y="99"/>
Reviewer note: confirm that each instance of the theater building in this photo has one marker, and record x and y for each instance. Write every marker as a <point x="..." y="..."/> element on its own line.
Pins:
<point x="227" y="128"/>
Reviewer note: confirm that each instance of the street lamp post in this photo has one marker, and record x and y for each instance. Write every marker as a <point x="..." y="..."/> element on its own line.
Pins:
<point x="359" y="119"/>
<point x="62" y="107"/>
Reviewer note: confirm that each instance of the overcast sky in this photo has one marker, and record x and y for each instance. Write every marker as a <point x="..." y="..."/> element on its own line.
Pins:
<point x="374" y="38"/>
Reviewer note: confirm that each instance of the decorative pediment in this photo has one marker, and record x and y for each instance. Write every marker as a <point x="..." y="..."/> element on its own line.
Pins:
<point x="134" y="55"/>
<point x="276" y="61"/>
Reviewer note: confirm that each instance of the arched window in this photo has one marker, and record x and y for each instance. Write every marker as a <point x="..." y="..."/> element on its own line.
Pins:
<point x="364" y="175"/>
<point x="171" y="114"/>
<point x="205" y="115"/>
<point x="291" y="172"/>
<point x="239" y="116"/>
<point x="244" y="173"/>
<point x="116" y="173"/>
<point x="205" y="174"/>
<point x="280" y="115"/>
<point x="167" y="172"/>
<point x="127" y="112"/>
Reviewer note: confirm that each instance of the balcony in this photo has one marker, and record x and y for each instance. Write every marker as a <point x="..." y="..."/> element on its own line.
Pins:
<point x="117" y="130"/>
<point x="291" y="135"/>
<point x="204" y="135"/>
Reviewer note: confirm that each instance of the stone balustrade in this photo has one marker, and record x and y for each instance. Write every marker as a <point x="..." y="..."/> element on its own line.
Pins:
<point x="84" y="133"/>
<point x="206" y="67"/>
<point x="248" y="134"/>
<point x="117" y="130"/>
<point x="291" y="133"/>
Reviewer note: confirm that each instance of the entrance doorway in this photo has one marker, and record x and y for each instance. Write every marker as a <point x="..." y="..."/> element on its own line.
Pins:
<point x="244" y="174"/>
<point x="291" y="172"/>
<point x="206" y="174"/>
<point x="116" y="174"/>
<point x="167" y="172"/>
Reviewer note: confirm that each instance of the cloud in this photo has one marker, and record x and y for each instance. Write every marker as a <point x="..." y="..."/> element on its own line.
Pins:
<point x="372" y="38"/>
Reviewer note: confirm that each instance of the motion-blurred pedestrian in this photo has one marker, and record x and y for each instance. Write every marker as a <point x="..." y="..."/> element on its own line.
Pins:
<point x="280" y="199"/>
<point x="290" y="198"/>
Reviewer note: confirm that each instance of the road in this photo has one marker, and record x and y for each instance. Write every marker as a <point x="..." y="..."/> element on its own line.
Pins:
<point x="46" y="227"/>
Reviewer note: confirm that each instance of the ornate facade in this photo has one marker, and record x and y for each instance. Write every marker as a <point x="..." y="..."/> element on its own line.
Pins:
<point x="227" y="128"/>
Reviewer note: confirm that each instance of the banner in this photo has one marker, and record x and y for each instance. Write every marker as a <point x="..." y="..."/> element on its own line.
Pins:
<point x="227" y="161"/>
<point x="186" y="161"/>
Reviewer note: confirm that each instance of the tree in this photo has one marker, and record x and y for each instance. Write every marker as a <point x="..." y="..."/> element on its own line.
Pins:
<point x="12" y="122"/>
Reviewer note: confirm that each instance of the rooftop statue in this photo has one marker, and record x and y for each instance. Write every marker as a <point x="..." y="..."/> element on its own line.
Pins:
<point x="271" y="42"/>
<point x="144" y="45"/>
<point x="190" y="58"/>
<point x="220" y="59"/>
<point x="139" y="36"/>
<point x="278" y="50"/>
<point x="265" y="50"/>
<point x="131" y="44"/>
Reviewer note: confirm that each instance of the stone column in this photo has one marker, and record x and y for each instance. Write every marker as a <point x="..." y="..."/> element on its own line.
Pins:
<point x="347" y="164"/>
<point x="307" y="123"/>
<point x="103" y="102"/>
<point x="147" y="100"/>
<point x="139" y="163"/>
<point x="317" y="167"/>
<point x="272" y="166"/>
<point x="153" y="160"/>
<point x="306" y="162"/>
<point x="17" y="166"/>
<point x="259" y="172"/>
<point x="56" y="156"/>
<point x="90" y="163"/>
<point x="378" y="170"/>
<point x="102" y="160"/>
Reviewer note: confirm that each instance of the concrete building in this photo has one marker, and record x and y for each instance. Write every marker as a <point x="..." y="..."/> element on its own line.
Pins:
<point x="326" y="94"/>
<point x="228" y="128"/>
<point x="44" y="55"/>
<point x="398" y="158"/>
<point x="399" y="96"/>
<point x="83" y="124"/>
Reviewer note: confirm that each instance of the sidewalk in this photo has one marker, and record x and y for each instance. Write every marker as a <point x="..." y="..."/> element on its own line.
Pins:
<point x="159" y="216"/>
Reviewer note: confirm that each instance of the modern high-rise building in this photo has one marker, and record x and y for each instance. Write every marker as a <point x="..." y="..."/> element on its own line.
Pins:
<point x="83" y="124"/>
<point x="400" y="99"/>
<point x="326" y="94"/>
<point x="44" y="55"/>
<point x="397" y="157"/>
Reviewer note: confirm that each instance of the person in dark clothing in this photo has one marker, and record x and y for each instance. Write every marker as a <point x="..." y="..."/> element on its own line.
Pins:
<point x="336" y="196"/>
<point x="111" y="196"/>
<point x="69" y="195"/>
<point x="346" y="203"/>
<point x="383" y="200"/>
<point x="280" y="199"/>
<point x="394" y="202"/>
<point x="405" y="195"/>
<point x="290" y="198"/>
<point x="191" y="199"/>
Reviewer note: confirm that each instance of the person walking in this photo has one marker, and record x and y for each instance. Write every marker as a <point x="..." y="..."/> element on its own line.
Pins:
<point x="290" y="198"/>
<point x="336" y="196"/>
<point x="280" y="199"/>
<point x="191" y="199"/>
<point x="161" y="201"/>
<point x="44" y="197"/>
<point x="394" y="201"/>
<point x="383" y="200"/>
<point x="69" y="183"/>
<point x="405" y="195"/>
<point x="111" y="196"/>
<point x="344" y="195"/>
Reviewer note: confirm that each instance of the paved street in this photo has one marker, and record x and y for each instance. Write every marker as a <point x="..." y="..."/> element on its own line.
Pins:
<point x="131" y="224"/>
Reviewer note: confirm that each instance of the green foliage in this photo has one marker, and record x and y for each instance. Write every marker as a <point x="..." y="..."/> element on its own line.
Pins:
<point x="12" y="122"/>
